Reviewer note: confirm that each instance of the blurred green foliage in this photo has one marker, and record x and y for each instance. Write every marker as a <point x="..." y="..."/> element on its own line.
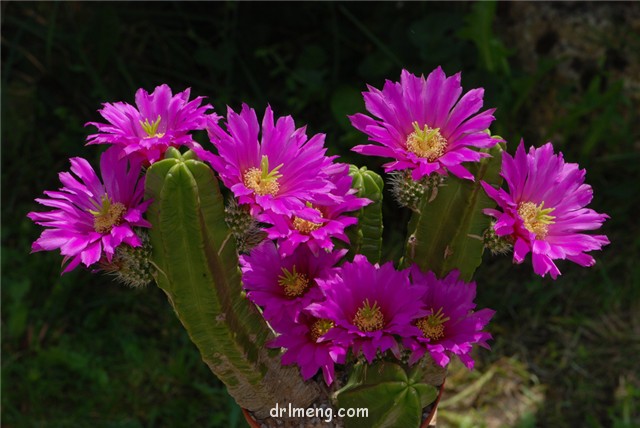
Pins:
<point x="81" y="351"/>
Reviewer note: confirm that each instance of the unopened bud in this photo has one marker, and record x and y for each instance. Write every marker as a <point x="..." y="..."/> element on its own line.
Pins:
<point x="408" y="192"/>
<point x="497" y="244"/>
<point x="244" y="227"/>
<point x="132" y="265"/>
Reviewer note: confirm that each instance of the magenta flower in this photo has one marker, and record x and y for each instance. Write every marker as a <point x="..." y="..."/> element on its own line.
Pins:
<point x="283" y="286"/>
<point x="369" y="304"/>
<point x="424" y="125"/>
<point x="451" y="326"/>
<point x="277" y="172"/>
<point x="543" y="212"/>
<point x="160" y="121"/>
<point x="306" y="346"/>
<point x="91" y="218"/>
<point x="329" y="222"/>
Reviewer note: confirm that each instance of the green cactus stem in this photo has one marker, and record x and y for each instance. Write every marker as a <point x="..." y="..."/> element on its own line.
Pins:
<point x="197" y="266"/>
<point x="446" y="233"/>
<point x="366" y="236"/>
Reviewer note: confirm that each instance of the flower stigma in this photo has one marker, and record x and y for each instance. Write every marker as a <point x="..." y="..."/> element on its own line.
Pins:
<point x="108" y="215"/>
<point x="320" y="327"/>
<point x="369" y="318"/>
<point x="536" y="218"/>
<point x="432" y="325"/>
<point x="427" y="143"/>
<point x="294" y="284"/>
<point x="151" y="128"/>
<point x="261" y="180"/>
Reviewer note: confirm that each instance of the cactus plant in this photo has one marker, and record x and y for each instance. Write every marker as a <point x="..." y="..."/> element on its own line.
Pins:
<point x="379" y="335"/>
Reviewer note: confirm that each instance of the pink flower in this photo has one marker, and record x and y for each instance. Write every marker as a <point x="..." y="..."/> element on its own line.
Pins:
<point x="543" y="212"/>
<point x="451" y="326"/>
<point x="91" y="218"/>
<point x="424" y="124"/>
<point x="369" y="305"/>
<point x="329" y="221"/>
<point x="160" y="121"/>
<point x="276" y="172"/>
<point x="306" y="346"/>
<point x="283" y="286"/>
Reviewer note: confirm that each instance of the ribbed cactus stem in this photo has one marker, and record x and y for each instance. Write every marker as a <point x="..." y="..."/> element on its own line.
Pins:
<point x="446" y="233"/>
<point x="195" y="255"/>
<point x="366" y="236"/>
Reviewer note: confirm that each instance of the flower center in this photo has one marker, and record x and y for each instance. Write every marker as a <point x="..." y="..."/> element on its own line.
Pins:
<point x="320" y="327"/>
<point x="261" y="180"/>
<point x="427" y="142"/>
<point x="369" y="318"/>
<point x="536" y="218"/>
<point x="432" y="325"/>
<point x="305" y="226"/>
<point x="151" y="128"/>
<point x="294" y="284"/>
<point x="108" y="215"/>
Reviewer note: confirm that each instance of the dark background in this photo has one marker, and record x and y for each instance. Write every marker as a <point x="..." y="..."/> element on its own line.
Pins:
<point x="80" y="350"/>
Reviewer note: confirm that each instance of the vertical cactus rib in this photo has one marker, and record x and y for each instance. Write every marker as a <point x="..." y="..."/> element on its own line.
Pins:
<point x="366" y="236"/>
<point x="197" y="263"/>
<point x="446" y="233"/>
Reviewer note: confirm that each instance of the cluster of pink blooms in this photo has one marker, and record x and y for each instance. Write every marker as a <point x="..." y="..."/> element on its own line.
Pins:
<point x="322" y="306"/>
<point x="425" y="126"/>
<point x="321" y="311"/>
<point x="92" y="217"/>
<point x="284" y="178"/>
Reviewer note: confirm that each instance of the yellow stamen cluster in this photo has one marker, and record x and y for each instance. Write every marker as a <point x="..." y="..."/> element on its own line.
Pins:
<point x="151" y="128"/>
<point x="427" y="142"/>
<point x="369" y="318"/>
<point x="109" y="215"/>
<point x="261" y="180"/>
<point x="536" y="218"/>
<point x="294" y="284"/>
<point x="306" y="226"/>
<point x="432" y="325"/>
<point x="320" y="327"/>
<point x="253" y="180"/>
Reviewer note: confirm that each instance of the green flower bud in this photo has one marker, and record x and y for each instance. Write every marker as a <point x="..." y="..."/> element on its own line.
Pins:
<point x="131" y="265"/>
<point x="497" y="244"/>
<point x="244" y="227"/>
<point x="408" y="192"/>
